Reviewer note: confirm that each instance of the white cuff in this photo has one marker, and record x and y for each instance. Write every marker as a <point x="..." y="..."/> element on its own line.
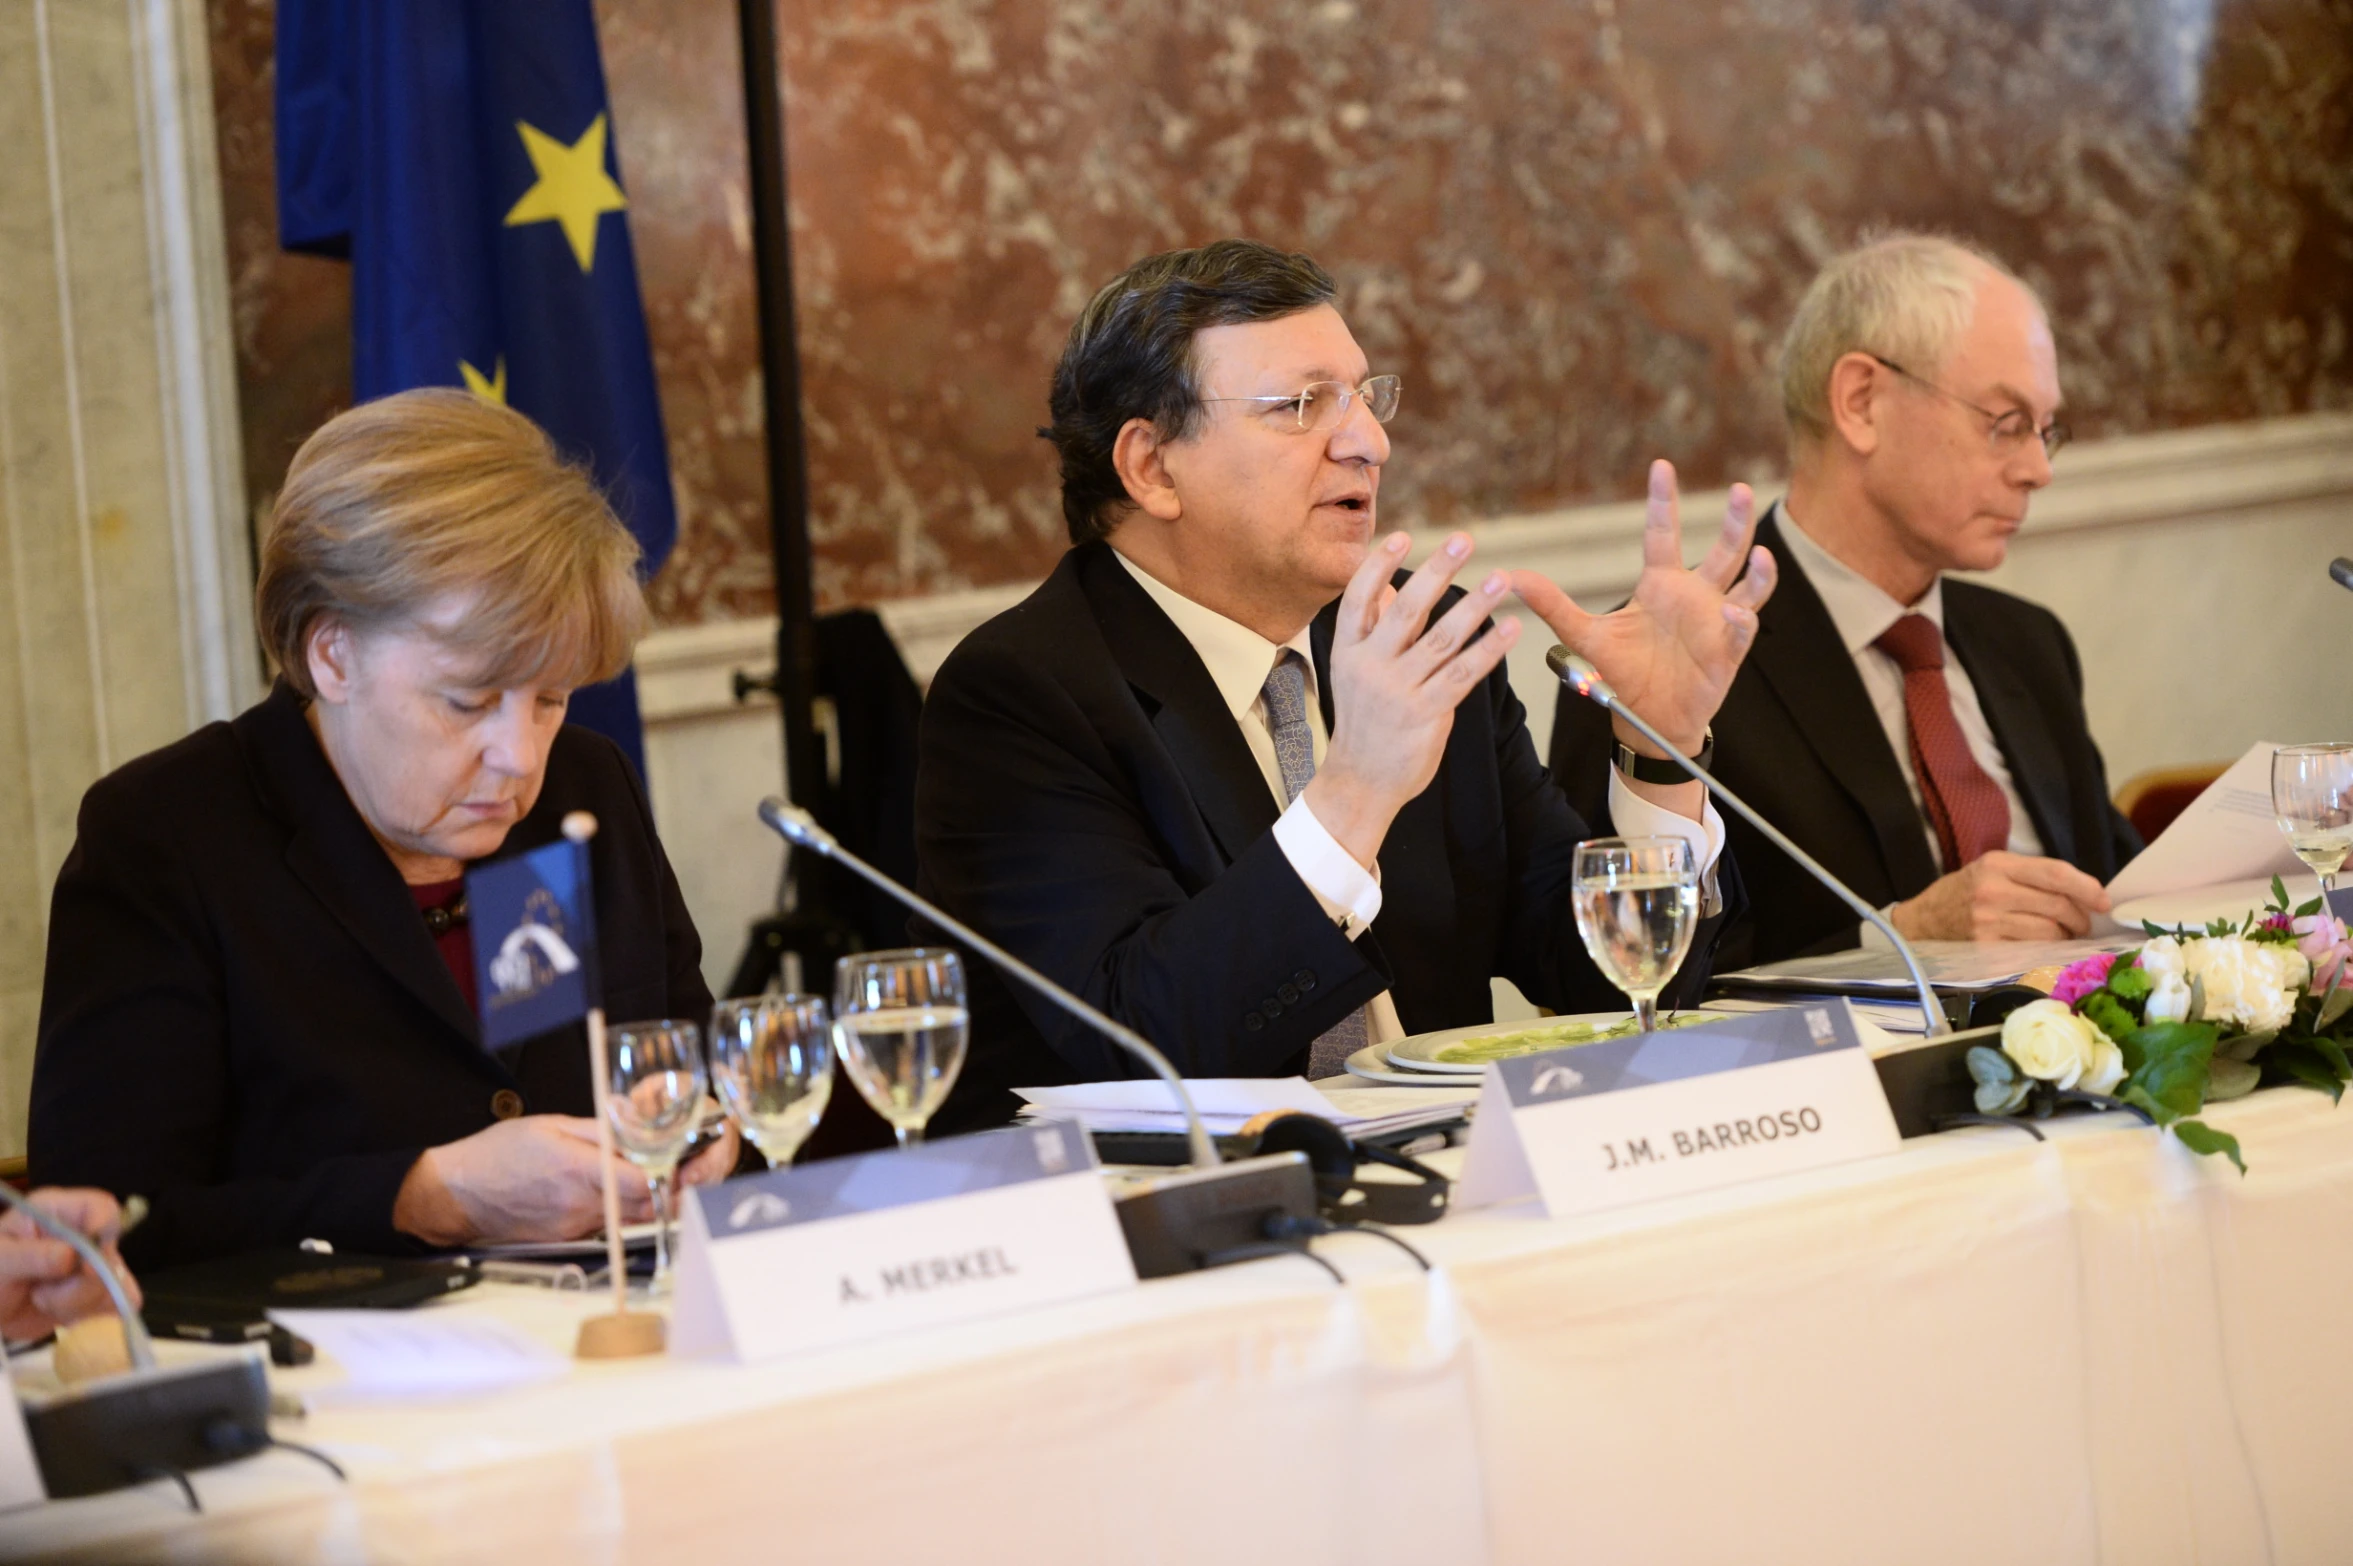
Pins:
<point x="1635" y="816"/>
<point x="1350" y="894"/>
<point x="1871" y="937"/>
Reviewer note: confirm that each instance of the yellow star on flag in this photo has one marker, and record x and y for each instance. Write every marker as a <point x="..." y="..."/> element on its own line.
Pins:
<point x="490" y="388"/>
<point x="573" y="188"/>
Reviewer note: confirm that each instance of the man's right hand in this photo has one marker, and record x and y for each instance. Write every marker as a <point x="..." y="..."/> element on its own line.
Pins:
<point x="532" y="1179"/>
<point x="1395" y="687"/>
<point x="2004" y="897"/>
<point x="43" y="1283"/>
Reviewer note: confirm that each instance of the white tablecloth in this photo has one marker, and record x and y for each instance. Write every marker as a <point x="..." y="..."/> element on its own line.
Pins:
<point x="1977" y="1349"/>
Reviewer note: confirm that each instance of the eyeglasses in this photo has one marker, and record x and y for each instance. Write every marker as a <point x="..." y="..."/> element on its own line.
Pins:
<point x="1321" y="405"/>
<point x="2010" y="430"/>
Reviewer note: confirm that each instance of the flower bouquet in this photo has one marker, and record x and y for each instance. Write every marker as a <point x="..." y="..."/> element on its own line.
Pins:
<point x="2190" y="1018"/>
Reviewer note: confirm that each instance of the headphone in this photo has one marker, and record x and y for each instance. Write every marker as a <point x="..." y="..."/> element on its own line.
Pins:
<point x="1333" y="1155"/>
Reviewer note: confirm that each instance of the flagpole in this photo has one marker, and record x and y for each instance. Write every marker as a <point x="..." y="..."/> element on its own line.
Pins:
<point x="780" y="384"/>
<point x="625" y="1333"/>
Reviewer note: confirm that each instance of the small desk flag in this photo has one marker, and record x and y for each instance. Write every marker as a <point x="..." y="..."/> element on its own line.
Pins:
<point x="534" y="923"/>
<point x="460" y="154"/>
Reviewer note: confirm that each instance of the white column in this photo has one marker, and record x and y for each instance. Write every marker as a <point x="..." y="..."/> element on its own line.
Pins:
<point x="125" y="570"/>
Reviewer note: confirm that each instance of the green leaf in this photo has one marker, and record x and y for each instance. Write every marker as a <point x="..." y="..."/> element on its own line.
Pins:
<point x="1990" y="1065"/>
<point x="2307" y="910"/>
<point x="2334" y="1053"/>
<point x="2197" y="998"/>
<point x="2338" y="1001"/>
<point x="2306" y="1066"/>
<point x="2155" y="934"/>
<point x="2199" y="1137"/>
<point x="2133" y="1093"/>
<point x="2229" y="1079"/>
<point x="2279" y="893"/>
<point x="2003" y="1098"/>
<point x="2175" y="1058"/>
<point x="2128" y="980"/>
<point x="2245" y="1046"/>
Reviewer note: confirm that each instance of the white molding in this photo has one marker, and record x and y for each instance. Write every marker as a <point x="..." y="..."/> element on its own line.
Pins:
<point x="196" y="386"/>
<point x="2137" y="480"/>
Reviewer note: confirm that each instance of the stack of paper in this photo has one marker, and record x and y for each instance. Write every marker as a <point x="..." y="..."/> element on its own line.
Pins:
<point x="1226" y="1104"/>
<point x="2228" y="839"/>
<point x="1962" y="966"/>
<point x="390" y="1356"/>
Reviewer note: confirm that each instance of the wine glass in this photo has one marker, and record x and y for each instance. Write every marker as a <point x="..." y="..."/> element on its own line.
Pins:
<point x="899" y="1022"/>
<point x="772" y="1061"/>
<point x="2312" y="794"/>
<point x="1637" y="900"/>
<point x="655" y="1101"/>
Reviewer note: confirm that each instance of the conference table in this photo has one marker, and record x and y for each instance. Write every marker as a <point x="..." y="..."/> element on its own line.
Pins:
<point x="1978" y="1348"/>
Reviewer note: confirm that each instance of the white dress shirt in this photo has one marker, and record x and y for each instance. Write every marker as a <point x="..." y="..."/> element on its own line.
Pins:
<point x="1862" y="611"/>
<point x="1239" y="660"/>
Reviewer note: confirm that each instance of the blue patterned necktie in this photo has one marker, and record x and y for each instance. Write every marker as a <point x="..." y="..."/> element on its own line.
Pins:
<point x="1285" y="694"/>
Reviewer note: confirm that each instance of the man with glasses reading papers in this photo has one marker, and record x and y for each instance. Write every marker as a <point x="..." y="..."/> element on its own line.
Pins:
<point x="1234" y="777"/>
<point x="1923" y="738"/>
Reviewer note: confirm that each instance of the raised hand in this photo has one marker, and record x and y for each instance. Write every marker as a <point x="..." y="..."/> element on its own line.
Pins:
<point x="1395" y="686"/>
<point x="43" y="1284"/>
<point x="1672" y="650"/>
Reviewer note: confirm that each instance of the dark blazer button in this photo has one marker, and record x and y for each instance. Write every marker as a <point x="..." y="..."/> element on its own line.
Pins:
<point x="1253" y="1021"/>
<point x="506" y="1103"/>
<point x="1271" y="1010"/>
<point x="1304" y="978"/>
<point x="1288" y="994"/>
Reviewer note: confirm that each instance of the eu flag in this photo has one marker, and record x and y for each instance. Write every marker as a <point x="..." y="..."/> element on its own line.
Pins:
<point x="534" y="927"/>
<point x="460" y="153"/>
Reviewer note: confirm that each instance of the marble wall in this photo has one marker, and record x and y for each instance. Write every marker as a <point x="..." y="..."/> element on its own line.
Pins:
<point x="1574" y="228"/>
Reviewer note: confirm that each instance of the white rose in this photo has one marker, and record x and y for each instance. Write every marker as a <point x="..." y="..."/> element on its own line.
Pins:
<point x="2106" y="1070"/>
<point x="2169" y="995"/>
<point x="2049" y="1042"/>
<point x="2250" y="985"/>
<point x="2168" y="1002"/>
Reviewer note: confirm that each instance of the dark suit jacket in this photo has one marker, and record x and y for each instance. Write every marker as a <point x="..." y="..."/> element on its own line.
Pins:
<point x="1086" y="799"/>
<point x="1797" y="738"/>
<point x="244" y="1018"/>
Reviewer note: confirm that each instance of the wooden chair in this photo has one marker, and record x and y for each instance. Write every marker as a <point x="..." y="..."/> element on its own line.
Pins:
<point x="12" y="1170"/>
<point x="2152" y="799"/>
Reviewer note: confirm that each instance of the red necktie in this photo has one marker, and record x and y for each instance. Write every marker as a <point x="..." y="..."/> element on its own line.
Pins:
<point x="1964" y="804"/>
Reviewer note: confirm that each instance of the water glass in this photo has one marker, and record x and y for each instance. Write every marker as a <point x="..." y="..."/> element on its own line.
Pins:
<point x="1637" y="902"/>
<point x="655" y="1101"/>
<point x="772" y="1062"/>
<point x="899" y="1021"/>
<point x="2312" y="795"/>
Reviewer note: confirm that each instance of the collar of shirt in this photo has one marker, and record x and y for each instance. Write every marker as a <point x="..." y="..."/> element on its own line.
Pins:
<point x="1859" y="607"/>
<point x="1238" y="658"/>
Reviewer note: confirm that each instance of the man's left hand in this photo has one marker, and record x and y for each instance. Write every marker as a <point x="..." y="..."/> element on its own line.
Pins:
<point x="1671" y="652"/>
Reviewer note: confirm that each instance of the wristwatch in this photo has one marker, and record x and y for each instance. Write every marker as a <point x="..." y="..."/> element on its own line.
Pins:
<point x="1659" y="769"/>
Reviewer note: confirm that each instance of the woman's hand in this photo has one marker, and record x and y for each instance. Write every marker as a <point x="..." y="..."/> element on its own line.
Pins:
<point x="43" y="1284"/>
<point x="532" y="1179"/>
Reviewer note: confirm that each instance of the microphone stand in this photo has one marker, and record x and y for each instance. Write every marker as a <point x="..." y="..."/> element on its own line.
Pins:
<point x="2341" y="571"/>
<point x="799" y="828"/>
<point x="1586" y="681"/>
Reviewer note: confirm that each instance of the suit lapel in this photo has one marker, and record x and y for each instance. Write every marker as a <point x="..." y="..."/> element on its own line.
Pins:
<point x="332" y="853"/>
<point x="1801" y="656"/>
<point x="2037" y="769"/>
<point x="1187" y="713"/>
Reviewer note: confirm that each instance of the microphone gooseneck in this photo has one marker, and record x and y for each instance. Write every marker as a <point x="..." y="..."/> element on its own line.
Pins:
<point x="134" y="1330"/>
<point x="1581" y="677"/>
<point x="799" y="828"/>
<point x="2342" y="570"/>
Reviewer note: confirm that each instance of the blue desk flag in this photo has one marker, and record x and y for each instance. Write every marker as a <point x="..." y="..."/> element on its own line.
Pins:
<point x="459" y="152"/>
<point x="534" y="923"/>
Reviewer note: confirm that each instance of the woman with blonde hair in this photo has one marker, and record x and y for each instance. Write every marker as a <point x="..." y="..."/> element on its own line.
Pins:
<point x="258" y="1008"/>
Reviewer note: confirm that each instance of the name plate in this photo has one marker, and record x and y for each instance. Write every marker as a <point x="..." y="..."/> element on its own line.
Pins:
<point x="20" y="1472"/>
<point x="1626" y="1120"/>
<point x="851" y="1248"/>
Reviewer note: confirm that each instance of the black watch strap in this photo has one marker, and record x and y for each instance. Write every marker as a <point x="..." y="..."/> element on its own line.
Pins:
<point x="1659" y="769"/>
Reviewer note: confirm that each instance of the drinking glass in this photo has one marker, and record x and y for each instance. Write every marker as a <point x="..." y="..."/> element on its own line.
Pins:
<point x="899" y="1021"/>
<point x="1637" y="900"/>
<point x="655" y="1101"/>
<point x="772" y="1061"/>
<point x="2312" y="794"/>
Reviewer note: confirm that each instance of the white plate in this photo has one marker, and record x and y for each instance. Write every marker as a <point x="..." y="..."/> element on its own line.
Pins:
<point x="1419" y="1053"/>
<point x="1372" y="1064"/>
<point x="2233" y="900"/>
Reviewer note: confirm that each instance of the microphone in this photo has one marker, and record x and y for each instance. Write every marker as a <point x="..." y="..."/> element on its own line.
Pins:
<point x="149" y="1422"/>
<point x="1174" y="1224"/>
<point x="2342" y="569"/>
<point x="1586" y="681"/>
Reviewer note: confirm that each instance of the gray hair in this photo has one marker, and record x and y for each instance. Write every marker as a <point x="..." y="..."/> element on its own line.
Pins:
<point x="1905" y="297"/>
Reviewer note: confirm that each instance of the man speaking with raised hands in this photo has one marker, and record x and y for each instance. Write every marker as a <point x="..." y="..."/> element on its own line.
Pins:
<point x="1229" y="776"/>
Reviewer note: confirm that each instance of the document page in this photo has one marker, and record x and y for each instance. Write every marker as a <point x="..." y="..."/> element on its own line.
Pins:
<point x="2227" y="834"/>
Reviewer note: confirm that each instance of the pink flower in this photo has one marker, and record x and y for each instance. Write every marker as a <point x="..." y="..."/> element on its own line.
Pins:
<point x="2079" y="979"/>
<point x="2325" y="946"/>
<point x="2277" y="921"/>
